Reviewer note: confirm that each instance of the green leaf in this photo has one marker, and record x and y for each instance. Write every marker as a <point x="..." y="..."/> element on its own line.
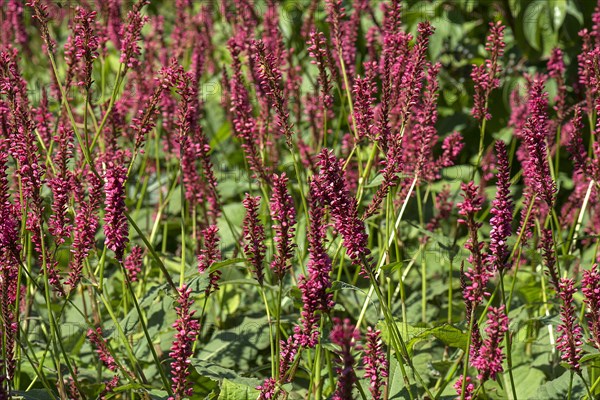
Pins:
<point x="218" y="373"/>
<point x="158" y="394"/>
<point x="527" y="380"/>
<point x="235" y="391"/>
<point x="590" y="358"/>
<point x="574" y="11"/>
<point x="33" y="394"/>
<point x="558" y="10"/>
<point x="541" y="20"/>
<point x="559" y="388"/>
<point x="237" y="347"/>
<point x="448" y="334"/>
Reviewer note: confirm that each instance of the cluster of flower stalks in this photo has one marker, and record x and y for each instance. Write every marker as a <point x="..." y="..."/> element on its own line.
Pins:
<point x="120" y="125"/>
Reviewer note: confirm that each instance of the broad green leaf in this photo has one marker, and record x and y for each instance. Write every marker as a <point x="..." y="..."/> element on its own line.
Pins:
<point x="559" y="387"/>
<point x="527" y="380"/>
<point x="236" y="391"/>
<point x="558" y="10"/>
<point x="448" y="334"/>
<point x="218" y="373"/>
<point x="33" y="394"/>
<point x="158" y="394"/>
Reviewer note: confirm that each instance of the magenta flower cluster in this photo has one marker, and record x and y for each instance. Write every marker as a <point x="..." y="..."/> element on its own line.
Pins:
<point x="283" y="214"/>
<point x="478" y="274"/>
<point x="254" y="237"/>
<point x="344" y="335"/>
<point x="182" y="349"/>
<point x="331" y="189"/>
<point x="570" y="341"/>
<point x="375" y="362"/>
<point x="486" y="76"/>
<point x="501" y="211"/>
<point x="116" y="227"/>
<point x="489" y="358"/>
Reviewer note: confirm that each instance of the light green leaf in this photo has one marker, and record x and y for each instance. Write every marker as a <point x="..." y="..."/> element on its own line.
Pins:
<point x="235" y="391"/>
<point x="559" y="388"/>
<point x="218" y="373"/>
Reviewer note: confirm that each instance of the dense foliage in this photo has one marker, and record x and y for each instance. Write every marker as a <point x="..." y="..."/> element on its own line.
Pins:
<point x="299" y="199"/>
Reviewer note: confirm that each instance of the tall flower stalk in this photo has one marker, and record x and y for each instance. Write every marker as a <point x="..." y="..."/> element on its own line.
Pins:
<point x="487" y="78"/>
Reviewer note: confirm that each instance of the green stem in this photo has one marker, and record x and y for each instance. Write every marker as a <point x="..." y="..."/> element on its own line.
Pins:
<point x="508" y="341"/>
<point x="467" y="351"/>
<point x="157" y="362"/>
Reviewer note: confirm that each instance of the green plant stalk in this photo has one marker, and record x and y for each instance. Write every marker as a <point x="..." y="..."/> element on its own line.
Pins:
<point x="466" y="356"/>
<point x="547" y="314"/>
<point x="508" y="341"/>
<point x="398" y="343"/>
<point x="150" y="248"/>
<point x="146" y="334"/>
<point x="17" y="377"/>
<point x="450" y="293"/>
<point x="587" y="387"/>
<point x="423" y="263"/>
<point x="55" y="338"/>
<point x="101" y="264"/>
<point x="593" y="388"/>
<point x="128" y="350"/>
<point x="300" y="187"/>
<point x="39" y="372"/>
<point x="481" y="141"/>
<point x="512" y="253"/>
<point x="382" y="257"/>
<point x="84" y="149"/>
<point x="348" y="91"/>
<point x="557" y="153"/>
<point x="278" y="328"/>
<point x="111" y="103"/>
<point x="574" y="234"/>
<point x="316" y="370"/>
<point x="85" y="119"/>
<point x="183" y="245"/>
<point x="570" y="385"/>
<point x="270" y="322"/>
<point x="443" y="383"/>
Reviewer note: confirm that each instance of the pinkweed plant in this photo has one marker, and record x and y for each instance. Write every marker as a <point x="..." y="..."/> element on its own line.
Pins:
<point x="489" y="360"/>
<point x="254" y="237"/>
<point x="591" y="291"/>
<point x="284" y="216"/>
<point x="133" y="263"/>
<point x="182" y="349"/>
<point x="209" y="255"/>
<point x="316" y="286"/>
<point x="375" y="362"/>
<point x="111" y="112"/>
<point x="570" y="341"/>
<point x="331" y="189"/>
<point x="502" y="212"/>
<point x="116" y="227"/>
<point x="345" y="336"/>
<point x="478" y="274"/>
<point x="486" y="76"/>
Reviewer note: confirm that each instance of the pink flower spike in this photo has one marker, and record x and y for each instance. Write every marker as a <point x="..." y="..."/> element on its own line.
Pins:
<point x="489" y="359"/>
<point x="570" y="341"/>
<point x="486" y="76"/>
<point x="591" y="291"/>
<point x="116" y="227"/>
<point x="182" y="349"/>
<point x="209" y="255"/>
<point x="502" y="212"/>
<point x="345" y="335"/>
<point x="376" y="364"/>
<point x="284" y="216"/>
